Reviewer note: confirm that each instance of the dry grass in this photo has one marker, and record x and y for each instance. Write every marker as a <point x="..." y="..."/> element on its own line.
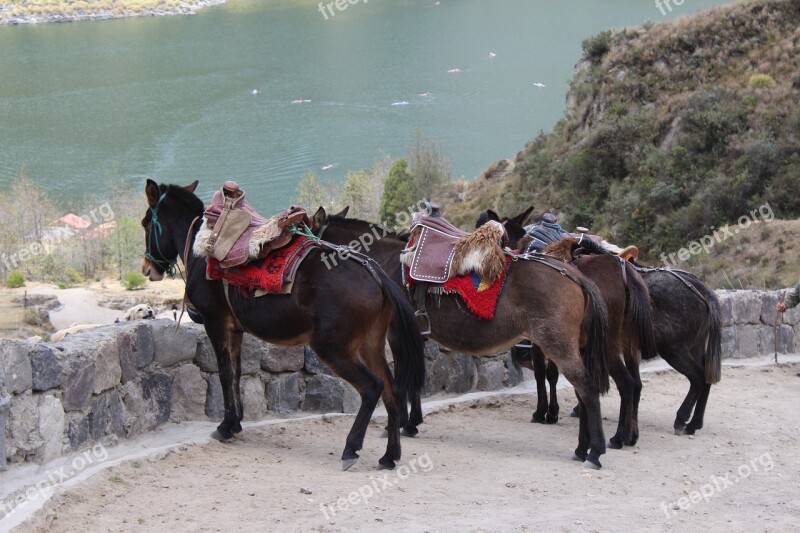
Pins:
<point x="47" y="10"/>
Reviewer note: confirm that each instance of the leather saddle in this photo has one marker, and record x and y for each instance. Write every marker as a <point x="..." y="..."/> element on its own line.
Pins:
<point x="434" y="244"/>
<point x="234" y="233"/>
<point x="441" y="250"/>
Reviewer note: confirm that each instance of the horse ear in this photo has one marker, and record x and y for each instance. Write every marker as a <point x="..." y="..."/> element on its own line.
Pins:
<point x="522" y="217"/>
<point x="343" y="212"/>
<point x="152" y="191"/>
<point x="192" y="186"/>
<point x="318" y="220"/>
<point x="493" y="215"/>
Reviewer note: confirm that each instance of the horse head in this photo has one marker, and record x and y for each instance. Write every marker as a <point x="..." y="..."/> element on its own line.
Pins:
<point x="162" y="224"/>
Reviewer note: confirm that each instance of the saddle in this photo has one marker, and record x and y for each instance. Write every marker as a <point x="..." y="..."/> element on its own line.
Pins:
<point x="233" y="233"/>
<point x="437" y="250"/>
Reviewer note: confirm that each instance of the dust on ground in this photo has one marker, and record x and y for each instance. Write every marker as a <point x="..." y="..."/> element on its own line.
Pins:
<point x="480" y="466"/>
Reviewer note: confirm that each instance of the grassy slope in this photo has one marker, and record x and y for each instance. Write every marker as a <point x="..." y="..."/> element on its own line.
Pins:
<point x="670" y="130"/>
<point x="56" y="10"/>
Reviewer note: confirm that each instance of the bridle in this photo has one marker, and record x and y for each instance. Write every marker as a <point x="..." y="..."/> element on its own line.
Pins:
<point x="155" y="229"/>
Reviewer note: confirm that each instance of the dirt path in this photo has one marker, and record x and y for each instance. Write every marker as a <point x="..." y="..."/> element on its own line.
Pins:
<point x="475" y="467"/>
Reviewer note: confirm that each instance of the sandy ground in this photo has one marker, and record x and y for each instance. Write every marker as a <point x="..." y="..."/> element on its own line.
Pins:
<point x="478" y="466"/>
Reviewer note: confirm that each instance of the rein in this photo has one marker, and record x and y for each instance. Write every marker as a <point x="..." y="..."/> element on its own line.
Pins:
<point x="161" y="262"/>
<point x="186" y="250"/>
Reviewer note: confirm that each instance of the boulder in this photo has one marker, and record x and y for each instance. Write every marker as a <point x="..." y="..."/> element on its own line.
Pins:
<point x="253" y="349"/>
<point x="157" y="389"/>
<point x="51" y="428"/>
<point x="254" y="399"/>
<point x="171" y="346"/>
<point x="462" y="375"/>
<point x="746" y="307"/>
<point x="45" y="368"/>
<point x="324" y="394"/>
<point x="278" y="359"/>
<point x="436" y="371"/>
<point x="283" y="393"/>
<point x="5" y="404"/>
<point x="491" y="374"/>
<point x="22" y="431"/>
<point x="137" y="417"/>
<point x="205" y="357"/>
<point x="730" y="341"/>
<point x="515" y="376"/>
<point x="188" y="394"/>
<point x="78" y="383"/>
<point x="313" y="364"/>
<point x="215" y="404"/>
<point x="16" y="365"/>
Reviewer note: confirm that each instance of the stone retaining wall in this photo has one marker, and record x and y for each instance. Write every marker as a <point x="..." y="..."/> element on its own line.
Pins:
<point x="119" y="381"/>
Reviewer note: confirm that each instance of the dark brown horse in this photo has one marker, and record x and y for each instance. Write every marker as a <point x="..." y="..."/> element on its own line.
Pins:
<point x="546" y="300"/>
<point x="343" y="313"/>
<point x="630" y="335"/>
<point x="687" y="331"/>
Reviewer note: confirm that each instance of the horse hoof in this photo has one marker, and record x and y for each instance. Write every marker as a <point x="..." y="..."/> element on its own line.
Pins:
<point x="549" y="419"/>
<point x="680" y="430"/>
<point x="615" y="443"/>
<point x="384" y="434"/>
<point x="538" y="419"/>
<point x="576" y="413"/>
<point x="385" y="464"/>
<point x="591" y="464"/>
<point x="347" y="463"/>
<point x="216" y="435"/>
<point x="409" y="431"/>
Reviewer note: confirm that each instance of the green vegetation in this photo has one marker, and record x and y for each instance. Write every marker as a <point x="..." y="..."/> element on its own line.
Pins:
<point x="133" y="281"/>
<point x="15" y="280"/>
<point x="670" y="130"/>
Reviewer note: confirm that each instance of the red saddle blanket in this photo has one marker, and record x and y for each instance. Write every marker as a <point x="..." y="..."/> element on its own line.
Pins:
<point x="480" y="296"/>
<point x="274" y="274"/>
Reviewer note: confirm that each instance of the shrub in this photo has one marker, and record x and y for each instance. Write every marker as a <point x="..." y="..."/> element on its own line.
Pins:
<point x="594" y="48"/>
<point x="74" y="277"/>
<point x="14" y="280"/>
<point x="133" y="281"/>
<point x="761" y="81"/>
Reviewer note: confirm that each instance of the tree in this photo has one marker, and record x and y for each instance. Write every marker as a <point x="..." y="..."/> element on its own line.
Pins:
<point x="399" y="192"/>
<point x="310" y="192"/>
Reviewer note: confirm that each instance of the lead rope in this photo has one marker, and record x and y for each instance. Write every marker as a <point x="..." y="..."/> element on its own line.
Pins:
<point x="186" y="266"/>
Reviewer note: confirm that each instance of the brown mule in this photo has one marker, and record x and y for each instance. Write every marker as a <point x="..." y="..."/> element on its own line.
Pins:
<point x="343" y="313"/>
<point x="630" y="334"/>
<point x="567" y="320"/>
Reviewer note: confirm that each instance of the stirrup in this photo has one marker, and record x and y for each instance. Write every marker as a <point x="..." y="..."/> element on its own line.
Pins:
<point x="427" y="331"/>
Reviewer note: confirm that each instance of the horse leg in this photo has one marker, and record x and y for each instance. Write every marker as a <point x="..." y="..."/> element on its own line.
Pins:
<point x="683" y="361"/>
<point x="552" y="379"/>
<point x="699" y="411"/>
<point x="226" y="340"/>
<point x="540" y="373"/>
<point x="591" y="440"/>
<point x="632" y="362"/>
<point x="369" y="386"/>
<point x="372" y="353"/>
<point x="625" y="386"/>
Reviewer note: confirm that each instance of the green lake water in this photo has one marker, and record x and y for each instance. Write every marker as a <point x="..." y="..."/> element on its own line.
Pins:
<point x="172" y="98"/>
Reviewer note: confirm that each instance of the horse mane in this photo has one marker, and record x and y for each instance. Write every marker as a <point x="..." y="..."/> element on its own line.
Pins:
<point x="184" y="197"/>
<point x="562" y="249"/>
<point x="364" y="226"/>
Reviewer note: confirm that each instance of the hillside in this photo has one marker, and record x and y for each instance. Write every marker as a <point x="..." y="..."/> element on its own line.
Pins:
<point x="670" y="130"/>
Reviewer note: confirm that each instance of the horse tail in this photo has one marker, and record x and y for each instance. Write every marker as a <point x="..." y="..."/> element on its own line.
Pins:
<point x="713" y="350"/>
<point x="639" y="314"/>
<point x="595" y="353"/>
<point x="409" y="359"/>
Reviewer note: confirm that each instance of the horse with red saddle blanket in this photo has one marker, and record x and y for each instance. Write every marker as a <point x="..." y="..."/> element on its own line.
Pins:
<point x="342" y="313"/>
<point x="540" y="298"/>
